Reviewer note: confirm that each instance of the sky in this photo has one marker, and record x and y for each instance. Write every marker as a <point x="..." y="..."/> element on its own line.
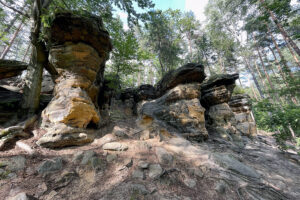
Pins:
<point x="197" y="6"/>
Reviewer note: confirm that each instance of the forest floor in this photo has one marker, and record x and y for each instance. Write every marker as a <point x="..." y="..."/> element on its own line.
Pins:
<point x="150" y="168"/>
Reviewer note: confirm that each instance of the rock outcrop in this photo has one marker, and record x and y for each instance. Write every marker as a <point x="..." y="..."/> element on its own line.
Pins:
<point x="189" y="73"/>
<point x="179" y="111"/>
<point x="79" y="47"/>
<point x="241" y="107"/>
<point x="11" y="68"/>
<point x="216" y="93"/>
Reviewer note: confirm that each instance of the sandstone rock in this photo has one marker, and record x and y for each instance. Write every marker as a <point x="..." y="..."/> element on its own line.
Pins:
<point x="75" y="28"/>
<point x="179" y="109"/>
<point x="163" y="156"/>
<point x="111" y="157"/>
<point x="11" y="68"/>
<point x="240" y="103"/>
<point x="138" y="174"/>
<point x="50" y="166"/>
<point x="220" y="114"/>
<point x="141" y="189"/>
<point x="190" y="182"/>
<point x="10" y="134"/>
<point x="47" y="84"/>
<point x="145" y="92"/>
<point x="78" y="53"/>
<point x="61" y="135"/>
<point x="189" y="73"/>
<point x="217" y="89"/>
<point x="115" y="146"/>
<point x="21" y="196"/>
<point x="87" y="157"/>
<point x="155" y="171"/>
<point x="247" y="128"/>
<point x="241" y="106"/>
<point x="16" y="163"/>
<point x="228" y="162"/>
<point x="143" y="164"/>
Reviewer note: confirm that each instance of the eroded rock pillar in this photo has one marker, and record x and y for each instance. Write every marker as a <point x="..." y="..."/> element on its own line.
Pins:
<point x="78" y="48"/>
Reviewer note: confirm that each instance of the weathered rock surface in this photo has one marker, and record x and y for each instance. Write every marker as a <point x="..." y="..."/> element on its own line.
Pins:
<point x="178" y="110"/>
<point x="79" y="47"/>
<point x="10" y="134"/>
<point x="11" y="68"/>
<point x="189" y="73"/>
<point x="218" y="89"/>
<point x="241" y="107"/>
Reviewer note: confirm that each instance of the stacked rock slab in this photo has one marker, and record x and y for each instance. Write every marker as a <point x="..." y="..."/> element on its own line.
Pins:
<point x="79" y="47"/>
<point x="216" y="93"/>
<point x="241" y="106"/>
<point x="178" y="109"/>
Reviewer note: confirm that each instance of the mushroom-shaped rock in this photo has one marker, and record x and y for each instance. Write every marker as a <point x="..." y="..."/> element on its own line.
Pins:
<point x="218" y="89"/>
<point x="189" y="73"/>
<point x="79" y="47"/>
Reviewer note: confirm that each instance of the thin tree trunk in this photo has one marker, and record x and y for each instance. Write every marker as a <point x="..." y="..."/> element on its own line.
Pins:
<point x="39" y="59"/>
<point x="259" y="74"/>
<point x="253" y="91"/>
<point x="11" y="24"/>
<point x="265" y="71"/>
<point x="289" y="41"/>
<point x="254" y="78"/>
<point x="26" y="52"/>
<point x="294" y="100"/>
<point x="7" y="48"/>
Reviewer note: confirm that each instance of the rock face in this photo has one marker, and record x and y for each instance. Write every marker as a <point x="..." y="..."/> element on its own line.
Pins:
<point x="241" y="107"/>
<point x="179" y="110"/>
<point x="218" y="89"/>
<point x="189" y="73"/>
<point x="11" y="68"/>
<point x="79" y="47"/>
<point x="216" y="92"/>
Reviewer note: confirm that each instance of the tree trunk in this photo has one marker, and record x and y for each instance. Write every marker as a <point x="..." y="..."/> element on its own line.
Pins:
<point x="26" y="52"/>
<point x="254" y="78"/>
<point x="7" y="48"/>
<point x="265" y="71"/>
<point x="39" y="58"/>
<point x="11" y="24"/>
<point x="289" y="41"/>
<point x="259" y="74"/>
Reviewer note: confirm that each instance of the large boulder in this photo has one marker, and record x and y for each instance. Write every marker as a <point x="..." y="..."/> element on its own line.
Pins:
<point x="218" y="89"/>
<point x="79" y="47"/>
<point x="179" y="110"/>
<point x="189" y="73"/>
<point x="11" y="68"/>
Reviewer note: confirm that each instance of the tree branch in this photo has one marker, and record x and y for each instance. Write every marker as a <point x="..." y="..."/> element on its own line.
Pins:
<point x="16" y="10"/>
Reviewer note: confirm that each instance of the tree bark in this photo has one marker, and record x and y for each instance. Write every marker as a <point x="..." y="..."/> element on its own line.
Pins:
<point x="7" y="48"/>
<point x="254" y="78"/>
<point x="39" y="59"/>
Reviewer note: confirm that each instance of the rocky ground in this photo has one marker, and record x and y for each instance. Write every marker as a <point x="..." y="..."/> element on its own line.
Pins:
<point x="126" y="162"/>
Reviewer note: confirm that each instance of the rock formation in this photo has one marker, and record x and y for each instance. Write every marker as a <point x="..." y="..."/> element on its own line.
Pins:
<point x="241" y="107"/>
<point x="79" y="47"/>
<point x="216" y="93"/>
<point x="178" y="107"/>
<point x="179" y="110"/>
<point x="189" y="73"/>
<point x="11" y="68"/>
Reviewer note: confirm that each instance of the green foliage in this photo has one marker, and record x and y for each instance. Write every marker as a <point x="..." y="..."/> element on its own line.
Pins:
<point x="277" y="118"/>
<point x="238" y="90"/>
